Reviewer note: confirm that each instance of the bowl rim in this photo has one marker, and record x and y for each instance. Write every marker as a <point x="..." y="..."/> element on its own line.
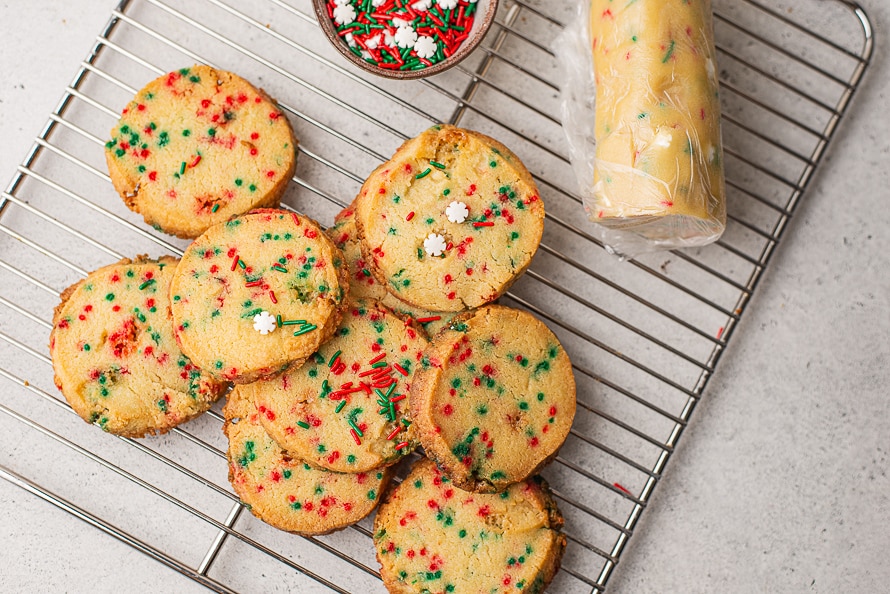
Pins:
<point x="327" y="26"/>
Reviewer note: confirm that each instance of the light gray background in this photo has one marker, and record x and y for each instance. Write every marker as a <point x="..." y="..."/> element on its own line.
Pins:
<point x="779" y="485"/>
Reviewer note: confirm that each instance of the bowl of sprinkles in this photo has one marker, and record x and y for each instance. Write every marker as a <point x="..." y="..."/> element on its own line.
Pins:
<point x="405" y="39"/>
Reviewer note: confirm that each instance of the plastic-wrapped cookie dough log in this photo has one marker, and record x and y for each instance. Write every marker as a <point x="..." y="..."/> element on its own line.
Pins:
<point x="659" y="158"/>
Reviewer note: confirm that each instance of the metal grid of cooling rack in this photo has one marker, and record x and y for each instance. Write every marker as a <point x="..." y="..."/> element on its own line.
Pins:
<point x="645" y="336"/>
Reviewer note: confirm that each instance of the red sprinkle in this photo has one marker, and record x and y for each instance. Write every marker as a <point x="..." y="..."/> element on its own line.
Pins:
<point x="272" y="297"/>
<point x="429" y="319"/>
<point x="402" y="445"/>
<point x="394" y="433"/>
<point x="483" y="224"/>
<point x="400" y="369"/>
<point x="377" y="358"/>
<point x="356" y="438"/>
<point x="410" y="216"/>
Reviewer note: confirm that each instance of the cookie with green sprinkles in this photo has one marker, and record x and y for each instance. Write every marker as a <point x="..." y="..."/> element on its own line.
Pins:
<point x="363" y="285"/>
<point x="344" y="409"/>
<point x="197" y="146"/>
<point x="496" y="400"/>
<point x="450" y="221"/>
<point x="286" y="492"/>
<point x="114" y="355"/>
<point x="433" y="537"/>
<point x="257" y="294"/>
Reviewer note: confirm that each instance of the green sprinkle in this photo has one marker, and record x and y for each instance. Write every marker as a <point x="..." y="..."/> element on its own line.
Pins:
<point x="147" y="283"/>
<point x="279" y="268"/>
<point x="215" y="208"/>
<point x="182" y="168"/>
<point x="670" y="51"/>
<point x="305" y="329"/>
<point x="334" y="358"/>
<point x="379" y="364"/>
<point x="303" y="424"/>
<point x="294" y="323"/>
<point x="340" y="406"/>
<point x="423" y="174"/>
<point x="278" y="320"/>
<point x="355" y="428"/>
<point x="211" y="132"/>
<point x="437" y="165"/>
<point x="366" y="272"/>
<point x="241" y="263"/>
<point x="109" y="297"/>
<point x="239" y="181"/>
<point x="446" y="191"/>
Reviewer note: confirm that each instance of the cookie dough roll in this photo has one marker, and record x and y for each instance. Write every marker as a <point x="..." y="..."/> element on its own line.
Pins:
<point x="659" y="159"/>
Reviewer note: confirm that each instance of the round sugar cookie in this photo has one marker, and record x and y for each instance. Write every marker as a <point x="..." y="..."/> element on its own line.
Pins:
<point x="433" y="537"/>
<point x="197" y="146"/>
<point x="363" y="285"/>
<point x="286" y="492"/>
<point x="258" y="294"/>
<point x="114" y="355"/>
<point x="343" y="410"/>
<point x="450" y="221"/>
<point x="497" y="399"/>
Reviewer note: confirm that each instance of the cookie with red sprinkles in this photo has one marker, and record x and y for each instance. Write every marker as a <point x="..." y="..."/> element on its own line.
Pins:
<point x="363" y="285"/>
<point x="114" y="355"/>
<point x="256" y="295"/>
<point x="450" y="221"/>
<point x="284" y="491"/>
<point x="494" y="398"/>
<point x="432" y="537"/>
<point x="197" y="146"/>
<point x="344" y="409"/>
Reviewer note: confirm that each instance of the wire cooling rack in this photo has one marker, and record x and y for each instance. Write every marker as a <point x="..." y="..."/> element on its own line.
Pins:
<point x="645" y="336"/>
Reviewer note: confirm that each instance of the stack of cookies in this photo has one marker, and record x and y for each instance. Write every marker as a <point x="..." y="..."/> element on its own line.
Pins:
<point x="348" y="349"/>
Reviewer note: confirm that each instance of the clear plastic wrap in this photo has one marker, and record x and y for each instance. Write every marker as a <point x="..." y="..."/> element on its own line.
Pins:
<point x="642" y="116"/>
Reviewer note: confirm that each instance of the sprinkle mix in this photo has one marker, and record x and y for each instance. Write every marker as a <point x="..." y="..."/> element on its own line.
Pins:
<point x="264" y="322"/>
<point x="401" y="34"/>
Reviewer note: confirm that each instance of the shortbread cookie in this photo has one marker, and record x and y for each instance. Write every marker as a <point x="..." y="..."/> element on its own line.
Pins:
<point x="450" y="221"/>
<point x="344" y="409"/>
<point x="363" y="285"/>
<point x="433" y="537"/>
<point x="115" y="357"/>
<point x="496" y="400"/>
<point x="197" y="146"/>
<point x="286" y="492"/>
<point x="258" y="294"/>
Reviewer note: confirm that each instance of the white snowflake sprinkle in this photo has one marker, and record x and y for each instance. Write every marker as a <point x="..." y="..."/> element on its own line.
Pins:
<point x="388" y="38"/>
<point x="350" y="40"/>
<point x="422" y="5"/>
<point x="447" y="4"/>
<point x="406" y="37"/>
<point x="377" y="3"/>
<point x="264" y="322"/>
<point x="457" y="212"/>
<point x="344" y="13"/>
<point x="341" y="2"/>
<point x="425" y="47"/>
<point x="434" y="244"/>
<point x="397" y="22"/>
<point x="373" y="42"/>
